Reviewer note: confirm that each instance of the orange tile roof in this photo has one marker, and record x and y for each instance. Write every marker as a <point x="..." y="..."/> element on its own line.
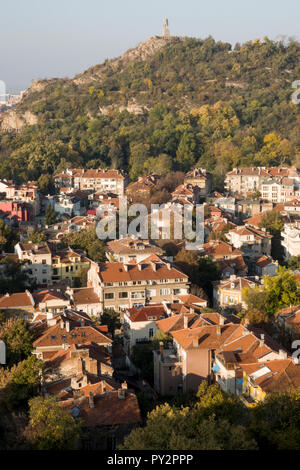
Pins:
<point x="85" y="295"/>
<point x="108" y="410"/>
<point x="280" y="375"/>
<point x="218" y="249"/>
<point x="116" y="272"/>
<point x="155" y="312"/>
<point x="56" y="336"/>
<point x="17" y="300"/>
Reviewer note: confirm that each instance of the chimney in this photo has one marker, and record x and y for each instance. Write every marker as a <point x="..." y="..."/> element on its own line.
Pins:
<point x="222" y="320"/>
<point x="282" y="354"/>
<point x="124" y="385"/>
<point x="169" y="265"/>
<point x="185" y="321"/>
<point x="192" y="310"/>
<point x="140" y="267"/>
<point x="262" y="339"/>
<point x="154" y="266"/>
<point x="126" y="267"/>
<point x="91" y="400"/>
<point x="121" y="393"/>
<point x="195" y="341"/>
<point x="62" y="325"/>
<point x="68" y="326"/>
<point x="219" y="330"/>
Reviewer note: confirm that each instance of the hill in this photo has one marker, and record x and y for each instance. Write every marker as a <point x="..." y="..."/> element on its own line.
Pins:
<point x="169" y="104"/>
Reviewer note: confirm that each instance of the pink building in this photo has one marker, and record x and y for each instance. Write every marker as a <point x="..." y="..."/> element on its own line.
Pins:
<point x="24" y="212"/>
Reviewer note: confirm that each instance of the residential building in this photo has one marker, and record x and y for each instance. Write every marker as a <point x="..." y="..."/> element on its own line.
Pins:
<point x="68" y="265"/>
<point x="69" y="179"/>
<point x="274" y="184"/>
<point x="251" y="241"/>
<point x="38" y="260"/>
<point x="291" y="239"/>
<point x="261" y="379"/>
<point x="121" y="286"/>
<point x="107" y="415"/>
<point x="21" y="211"/>
<point x="27" y="193"/>
<point x="73" y="202"/>
<point x="68" y="332"/>
<point x="201" y="178"/>
<point x="18" y="304"/>
<point x="229" y="292"/>
<point x="85" y="300"/>
<point x="142" y="187"/>
<point x="265" y="266"/>
<point x="113" y="181"/>
<point x="129" y="249"/>
<point x="140" y="324"/>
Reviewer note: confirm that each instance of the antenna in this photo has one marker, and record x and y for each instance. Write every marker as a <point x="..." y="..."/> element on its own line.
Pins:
<point x="166" y="31"/>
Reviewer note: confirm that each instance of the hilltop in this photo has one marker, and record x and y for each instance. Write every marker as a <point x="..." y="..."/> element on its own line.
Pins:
<point x="166" y="105"/>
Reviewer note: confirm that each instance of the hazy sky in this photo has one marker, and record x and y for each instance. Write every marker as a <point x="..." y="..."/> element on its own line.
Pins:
<point x="59" y="38"/>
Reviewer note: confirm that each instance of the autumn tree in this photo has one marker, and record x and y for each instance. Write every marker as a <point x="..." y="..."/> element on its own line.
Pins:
<point x="51" y="426"/>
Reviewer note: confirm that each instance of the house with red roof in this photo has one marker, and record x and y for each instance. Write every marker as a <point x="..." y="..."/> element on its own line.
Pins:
<point x="151" y="281"/>
<point x="140" y="324"/>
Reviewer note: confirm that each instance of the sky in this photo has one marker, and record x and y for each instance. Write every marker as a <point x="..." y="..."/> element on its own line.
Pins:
<point x="60" y="38"/>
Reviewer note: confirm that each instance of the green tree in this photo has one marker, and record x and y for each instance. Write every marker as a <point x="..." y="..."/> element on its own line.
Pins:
<point x="46" y="184"/>
<point x="282" y="290"/>
<point x="50" y="217"/>
<point x="212" y="423"/>
<point x="36" y="236"/>
<point x="19" y="383"/>
<point x="18" y="338"/>
<point x="111" y="318"/>
<point x="272" y="221"/>
<point x="13" y="278"/>
<point x="51" y="427"/>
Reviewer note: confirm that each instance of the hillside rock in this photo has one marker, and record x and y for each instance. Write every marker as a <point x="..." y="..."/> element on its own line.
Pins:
<point x="11" y="121"/>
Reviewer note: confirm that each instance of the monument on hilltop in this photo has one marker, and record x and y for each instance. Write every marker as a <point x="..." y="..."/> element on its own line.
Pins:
<point x="166" y="31"/>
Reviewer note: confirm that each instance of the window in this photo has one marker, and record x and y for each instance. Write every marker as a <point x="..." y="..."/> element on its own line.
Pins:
<point x="43" y="261"/>
<point x="150" y="332"/>
<point x="109" y="295"/>
<point x="164" y="291"/>
<point x="123" y="295"/>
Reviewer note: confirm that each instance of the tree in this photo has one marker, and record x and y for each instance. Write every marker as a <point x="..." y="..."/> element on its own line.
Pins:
<point x="81" y="278"/>
<point x="256" y="299"/>
<point x="111" y="318"/>
<point x="202" y="271"/>
<point x="37" y="236"/>
<point x="8" y="237"/>
<point x="211" y="423"/>
<point x="282" y="290"/>
<point x="18" y="339"/>
<point x="256" y="317"/>
<point x="272" y="221"/>
<point x="275" y="422"/>
<point x="13" y="278"/>
<point x="50" y="217"/>
<point x="19" y="383"/>
<point x="185" y="155"/>
<point x="294" y="263"/>
<point x="88" y="241"/>
<point x="51" y="427"/>
<point x="46" y="184"/>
